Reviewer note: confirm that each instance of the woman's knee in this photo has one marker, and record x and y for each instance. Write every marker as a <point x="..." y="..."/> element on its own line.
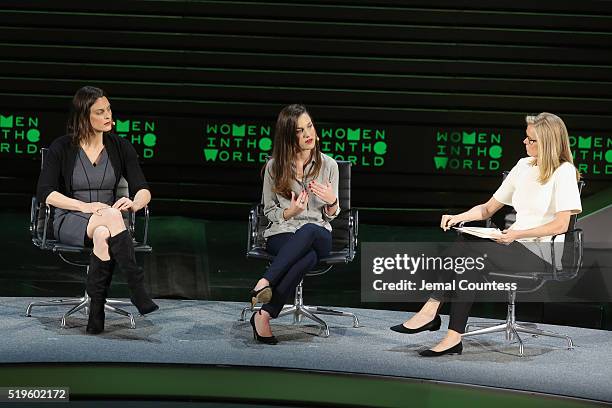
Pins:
<point x="113" y="214"/>
<point x="310" y="229"/>
<point x="112" y="217"/>
<point x="100" y="237"/>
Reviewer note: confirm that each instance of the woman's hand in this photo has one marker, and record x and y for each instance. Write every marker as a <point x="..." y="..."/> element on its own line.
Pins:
<point x="448" y="221"/>
<point x="324" y="191"/>
<point x="124" y="204"/>
<point x="93" y="208"/>
<point x="508" y="236"/>
<point x="298" y="204"/>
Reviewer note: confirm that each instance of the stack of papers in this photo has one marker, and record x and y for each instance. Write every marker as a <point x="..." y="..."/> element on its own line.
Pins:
<point x="481" y="232"/>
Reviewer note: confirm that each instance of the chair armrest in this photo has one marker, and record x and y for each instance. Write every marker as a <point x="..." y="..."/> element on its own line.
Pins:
<point x="33" y="216"/>
<point x="145" y="239"/>
<point x="47" y="217"/>
<point x="132" y="224"/>
<point x="353" y="229"/>
<point x="254" y="233"/>
<point x="356" y="222"/>
<point x="578" y="232"/>
<point x="37" y="237"/>
<point x="251" y="230"/>
<point x="572" y="231"/>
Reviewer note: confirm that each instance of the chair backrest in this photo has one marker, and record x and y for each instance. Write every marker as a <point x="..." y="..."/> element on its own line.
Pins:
<point x="344" y="184"/>
<point x="340" y="225"/>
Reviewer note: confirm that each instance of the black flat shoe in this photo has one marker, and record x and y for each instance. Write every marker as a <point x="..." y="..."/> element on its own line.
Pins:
<point x="456" y="349"/>
<point x="261" y="339"/>
<point x="263" y="295"/>
<point x="431" y="326"/>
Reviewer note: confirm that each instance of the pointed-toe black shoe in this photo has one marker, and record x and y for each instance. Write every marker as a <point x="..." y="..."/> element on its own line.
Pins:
<point x="431" y="326"/>
<point x="456" y="349"/>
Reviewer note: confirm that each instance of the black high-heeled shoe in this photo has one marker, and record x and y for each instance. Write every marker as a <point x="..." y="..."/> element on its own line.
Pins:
<point x="263" y="295"/>
<point x="431" y="326"/>
<point x="456" y="349"/>
<point x="262" y="339"/>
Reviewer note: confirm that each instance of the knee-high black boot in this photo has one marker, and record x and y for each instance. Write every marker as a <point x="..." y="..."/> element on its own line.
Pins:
<point x="122" y="251"/>
<point x="98" y="281"/>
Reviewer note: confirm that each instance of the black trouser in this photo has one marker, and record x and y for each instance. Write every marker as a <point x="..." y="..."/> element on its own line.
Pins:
<point x="295" y="255"/>
<point x="511" y="258"/>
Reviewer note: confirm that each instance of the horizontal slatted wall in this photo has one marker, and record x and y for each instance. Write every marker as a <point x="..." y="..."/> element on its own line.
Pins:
<point x="397" y="63"/>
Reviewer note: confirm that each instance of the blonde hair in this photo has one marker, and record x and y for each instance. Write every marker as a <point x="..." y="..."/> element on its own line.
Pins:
<point x="553" y="144"/>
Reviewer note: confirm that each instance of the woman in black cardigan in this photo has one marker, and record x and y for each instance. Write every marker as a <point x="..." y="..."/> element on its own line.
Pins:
<point x="79" y="178"/>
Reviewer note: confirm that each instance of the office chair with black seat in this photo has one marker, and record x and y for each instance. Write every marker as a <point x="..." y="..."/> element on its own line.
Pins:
<point x="41" y="231"/>
<point x="566" y="251"/>
<point x="344" y="244"/>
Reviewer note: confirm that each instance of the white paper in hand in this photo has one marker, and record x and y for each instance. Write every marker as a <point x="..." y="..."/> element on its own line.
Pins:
<point x="481" y="232"/>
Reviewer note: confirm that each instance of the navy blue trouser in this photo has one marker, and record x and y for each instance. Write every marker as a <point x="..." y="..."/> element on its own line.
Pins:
<point x="295" y="254"/>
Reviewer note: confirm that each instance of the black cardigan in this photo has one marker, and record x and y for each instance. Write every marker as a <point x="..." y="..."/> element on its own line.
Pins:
<point x="58" y="166"/>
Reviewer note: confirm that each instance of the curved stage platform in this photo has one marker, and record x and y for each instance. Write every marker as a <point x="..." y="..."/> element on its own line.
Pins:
<point x="200" y="350"/>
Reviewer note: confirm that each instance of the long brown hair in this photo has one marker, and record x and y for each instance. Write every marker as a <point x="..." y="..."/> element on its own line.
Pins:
<point x="286" y="147"/>
<point x="79" y="123"/>
<point x="553" y="144"/>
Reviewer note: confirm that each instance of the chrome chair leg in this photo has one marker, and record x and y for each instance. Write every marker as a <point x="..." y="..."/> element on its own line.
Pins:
<point x="332" y="312"/>
<point x="287" y="310"/>
<point x="304" y="312"/>
<point x="248" y="309"/>
<point x="257" y="308"/>
<point x="84" y="303"/>
<point x="118" y="302"/>
<point x="493" y="329"/>
<point x="481" y="325"/>
<point x="521" y="346"/>
<point x="538" y="332"/>
<point x="54" y="302"/>
<point x="122" y="312"/>
<point x="297" y="316"/>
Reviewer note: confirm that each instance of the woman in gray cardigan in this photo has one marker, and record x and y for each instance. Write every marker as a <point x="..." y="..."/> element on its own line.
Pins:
<point x="79" y="177"/>
<point x="300" y="195"/>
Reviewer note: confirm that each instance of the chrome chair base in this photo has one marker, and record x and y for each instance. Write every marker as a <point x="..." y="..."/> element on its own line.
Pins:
<point x="512" y="329"/>
<point x="82" y="304"/>
<point x="299" y="310"/>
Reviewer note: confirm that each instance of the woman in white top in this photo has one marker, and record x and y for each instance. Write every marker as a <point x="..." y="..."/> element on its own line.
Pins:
<point x="543" y="190"/>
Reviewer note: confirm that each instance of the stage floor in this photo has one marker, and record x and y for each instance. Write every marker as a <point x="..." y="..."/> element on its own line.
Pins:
<point x="209" y="333"/>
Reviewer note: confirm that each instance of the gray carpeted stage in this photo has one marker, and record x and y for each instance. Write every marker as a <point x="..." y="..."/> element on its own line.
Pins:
<point x="205" y="332"/>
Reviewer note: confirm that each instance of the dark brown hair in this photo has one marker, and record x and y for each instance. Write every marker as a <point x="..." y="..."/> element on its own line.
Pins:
<point x="79" y="123"/>
<point x="287" y="146"/>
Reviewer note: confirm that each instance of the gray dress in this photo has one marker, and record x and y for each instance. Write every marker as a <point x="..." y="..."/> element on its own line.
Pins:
<point x="90" y="184"/>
